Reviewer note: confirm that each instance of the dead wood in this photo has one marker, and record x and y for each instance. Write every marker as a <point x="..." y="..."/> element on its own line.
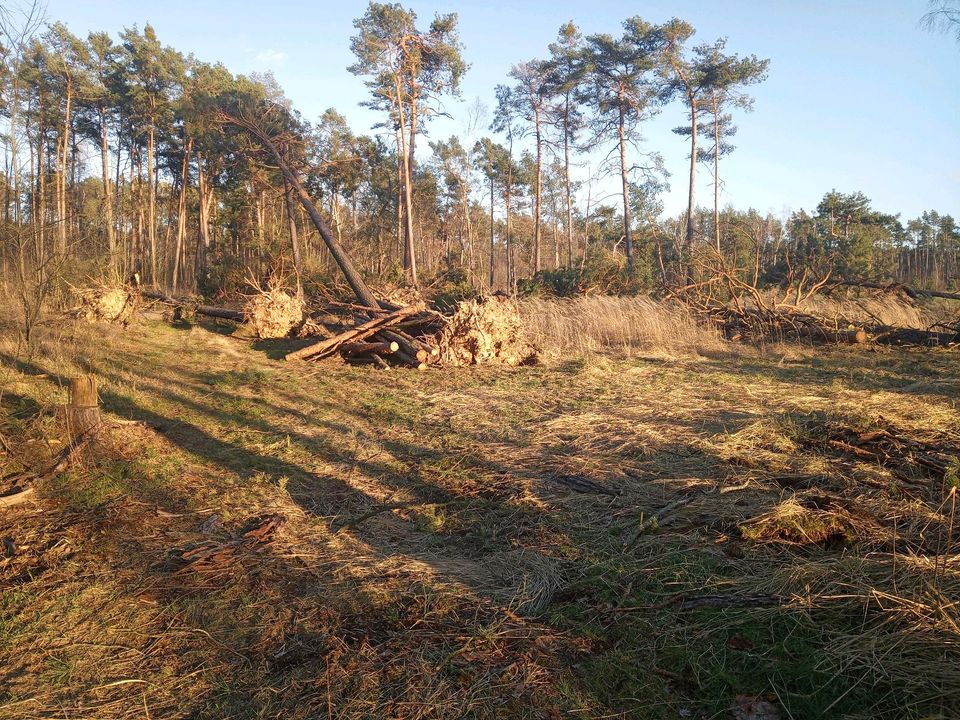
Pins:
<point x="329" y="346"/>
<point x="911" y="292"/>
<point x="22" y="486"/>
<point x="354" y="349"/>
<point x="199" y="309"/>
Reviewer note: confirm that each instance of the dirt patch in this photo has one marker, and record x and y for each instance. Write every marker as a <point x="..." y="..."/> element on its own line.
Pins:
<point x="487" y="330"/>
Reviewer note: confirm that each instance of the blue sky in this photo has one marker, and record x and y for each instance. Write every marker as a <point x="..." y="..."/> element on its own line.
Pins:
<point x="858" y="98"/>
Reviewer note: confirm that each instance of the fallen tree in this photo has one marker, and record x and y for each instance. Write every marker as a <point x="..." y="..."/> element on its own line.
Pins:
<point x="911" y="292"/>
<point x="199" y="309"/>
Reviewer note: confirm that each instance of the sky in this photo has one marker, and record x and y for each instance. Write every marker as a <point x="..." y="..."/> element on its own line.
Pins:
<point x="859" y="96"/>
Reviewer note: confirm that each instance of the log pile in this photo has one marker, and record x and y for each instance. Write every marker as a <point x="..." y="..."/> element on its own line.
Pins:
<point x="406" y="337"/>
<point x="483" y="331"/>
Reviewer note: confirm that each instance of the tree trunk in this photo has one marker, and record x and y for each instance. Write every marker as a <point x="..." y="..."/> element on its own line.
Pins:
<point x="409" y="257"/>
<point x="538" y="193"/>
<point x="292" y="222"/>
<point x="62" y="175"/>
<point x="691" y="197"/>
<point x="107" y="194"/>
<point x="182" y="212"/>
<point x="203" y="234"/>
<point x="353" y="278"/>
<point x="716" y="178"/>
<point x="82" y="411"/>
<point x="152" y="204"/>
<point x="492" y="243"/>
<point x="627" y="233"/>
<point x="566" y="173"/>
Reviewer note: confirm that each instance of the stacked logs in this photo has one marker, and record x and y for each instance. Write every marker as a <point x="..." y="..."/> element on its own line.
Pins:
<point x="383" y="338"/>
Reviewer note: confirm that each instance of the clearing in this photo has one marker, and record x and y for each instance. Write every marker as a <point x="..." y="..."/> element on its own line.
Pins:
<point x="739" y="534"/>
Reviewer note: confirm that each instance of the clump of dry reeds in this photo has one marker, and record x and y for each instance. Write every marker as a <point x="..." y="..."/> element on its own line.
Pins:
<point x="587" y="325"/>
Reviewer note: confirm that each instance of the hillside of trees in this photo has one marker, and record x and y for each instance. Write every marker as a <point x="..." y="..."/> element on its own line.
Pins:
<point x="117" y="160"/>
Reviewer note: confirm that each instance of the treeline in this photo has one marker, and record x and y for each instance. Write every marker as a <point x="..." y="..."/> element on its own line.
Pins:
<point x="116" y="159"/>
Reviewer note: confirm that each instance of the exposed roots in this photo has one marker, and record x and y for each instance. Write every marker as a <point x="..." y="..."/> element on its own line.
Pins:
<point x="274" y="312"/>
<point x="107" y="303"/>
<point x="487" y="330"/>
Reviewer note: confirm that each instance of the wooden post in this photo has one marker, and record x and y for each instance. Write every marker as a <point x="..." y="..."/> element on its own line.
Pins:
<point x="83" y="410"/>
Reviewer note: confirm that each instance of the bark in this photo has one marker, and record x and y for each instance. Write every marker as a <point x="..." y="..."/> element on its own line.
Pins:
<point x="492" y="241"/>
<point x="82" y="411"/>
<point x="566" y="173"/>
<point x="203" y="236"/>
<point x="409" y="257"/>
<point x="152" y="203"/>
<point x="63" y="161"/>
<point x="716" y="178"/>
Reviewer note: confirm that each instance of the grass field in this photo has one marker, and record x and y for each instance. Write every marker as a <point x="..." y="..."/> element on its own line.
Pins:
<point x="660" y="535"/>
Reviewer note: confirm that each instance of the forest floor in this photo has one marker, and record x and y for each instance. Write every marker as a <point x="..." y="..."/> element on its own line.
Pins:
<point x="649" y="537"/>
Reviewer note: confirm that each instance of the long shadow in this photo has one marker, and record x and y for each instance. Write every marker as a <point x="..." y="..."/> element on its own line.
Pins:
<point x="329" y="495"/>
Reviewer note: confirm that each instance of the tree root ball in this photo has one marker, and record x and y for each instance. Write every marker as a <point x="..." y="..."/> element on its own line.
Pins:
<point x="487" y="330"/>
<point x="106" y="304"/>
<point x="274" y="313"/>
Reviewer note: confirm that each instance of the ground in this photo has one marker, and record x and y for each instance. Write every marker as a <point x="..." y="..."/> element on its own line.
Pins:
<point x="603" y="536"/>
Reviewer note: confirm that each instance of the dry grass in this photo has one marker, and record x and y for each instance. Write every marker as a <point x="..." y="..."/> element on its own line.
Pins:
<point x="481" y="542"/>
<point x="601" y="324"/>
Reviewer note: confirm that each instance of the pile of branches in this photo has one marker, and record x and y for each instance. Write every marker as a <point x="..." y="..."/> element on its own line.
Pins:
<point x="383" y="337"/>
<point x="938" y="459"/>
<point x="742" y="312"/>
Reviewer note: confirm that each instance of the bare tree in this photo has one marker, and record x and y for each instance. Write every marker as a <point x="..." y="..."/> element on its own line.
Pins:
<point x="943" y="16"/>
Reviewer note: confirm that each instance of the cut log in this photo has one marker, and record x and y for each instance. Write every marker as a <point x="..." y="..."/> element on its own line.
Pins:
<point x="361" y="332"/>
<point x="405" y="343"/>
<point x="353" y="349"/>
<point x="886" y="335"/>
<point x="855" y="336"/>
<point x="410" y="360"/>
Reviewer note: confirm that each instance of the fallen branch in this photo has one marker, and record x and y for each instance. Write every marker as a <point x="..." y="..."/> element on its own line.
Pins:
<point x="22" y="489"/>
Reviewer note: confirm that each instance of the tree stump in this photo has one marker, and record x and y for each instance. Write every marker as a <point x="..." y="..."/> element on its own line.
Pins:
<point x="83" y="410"/>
